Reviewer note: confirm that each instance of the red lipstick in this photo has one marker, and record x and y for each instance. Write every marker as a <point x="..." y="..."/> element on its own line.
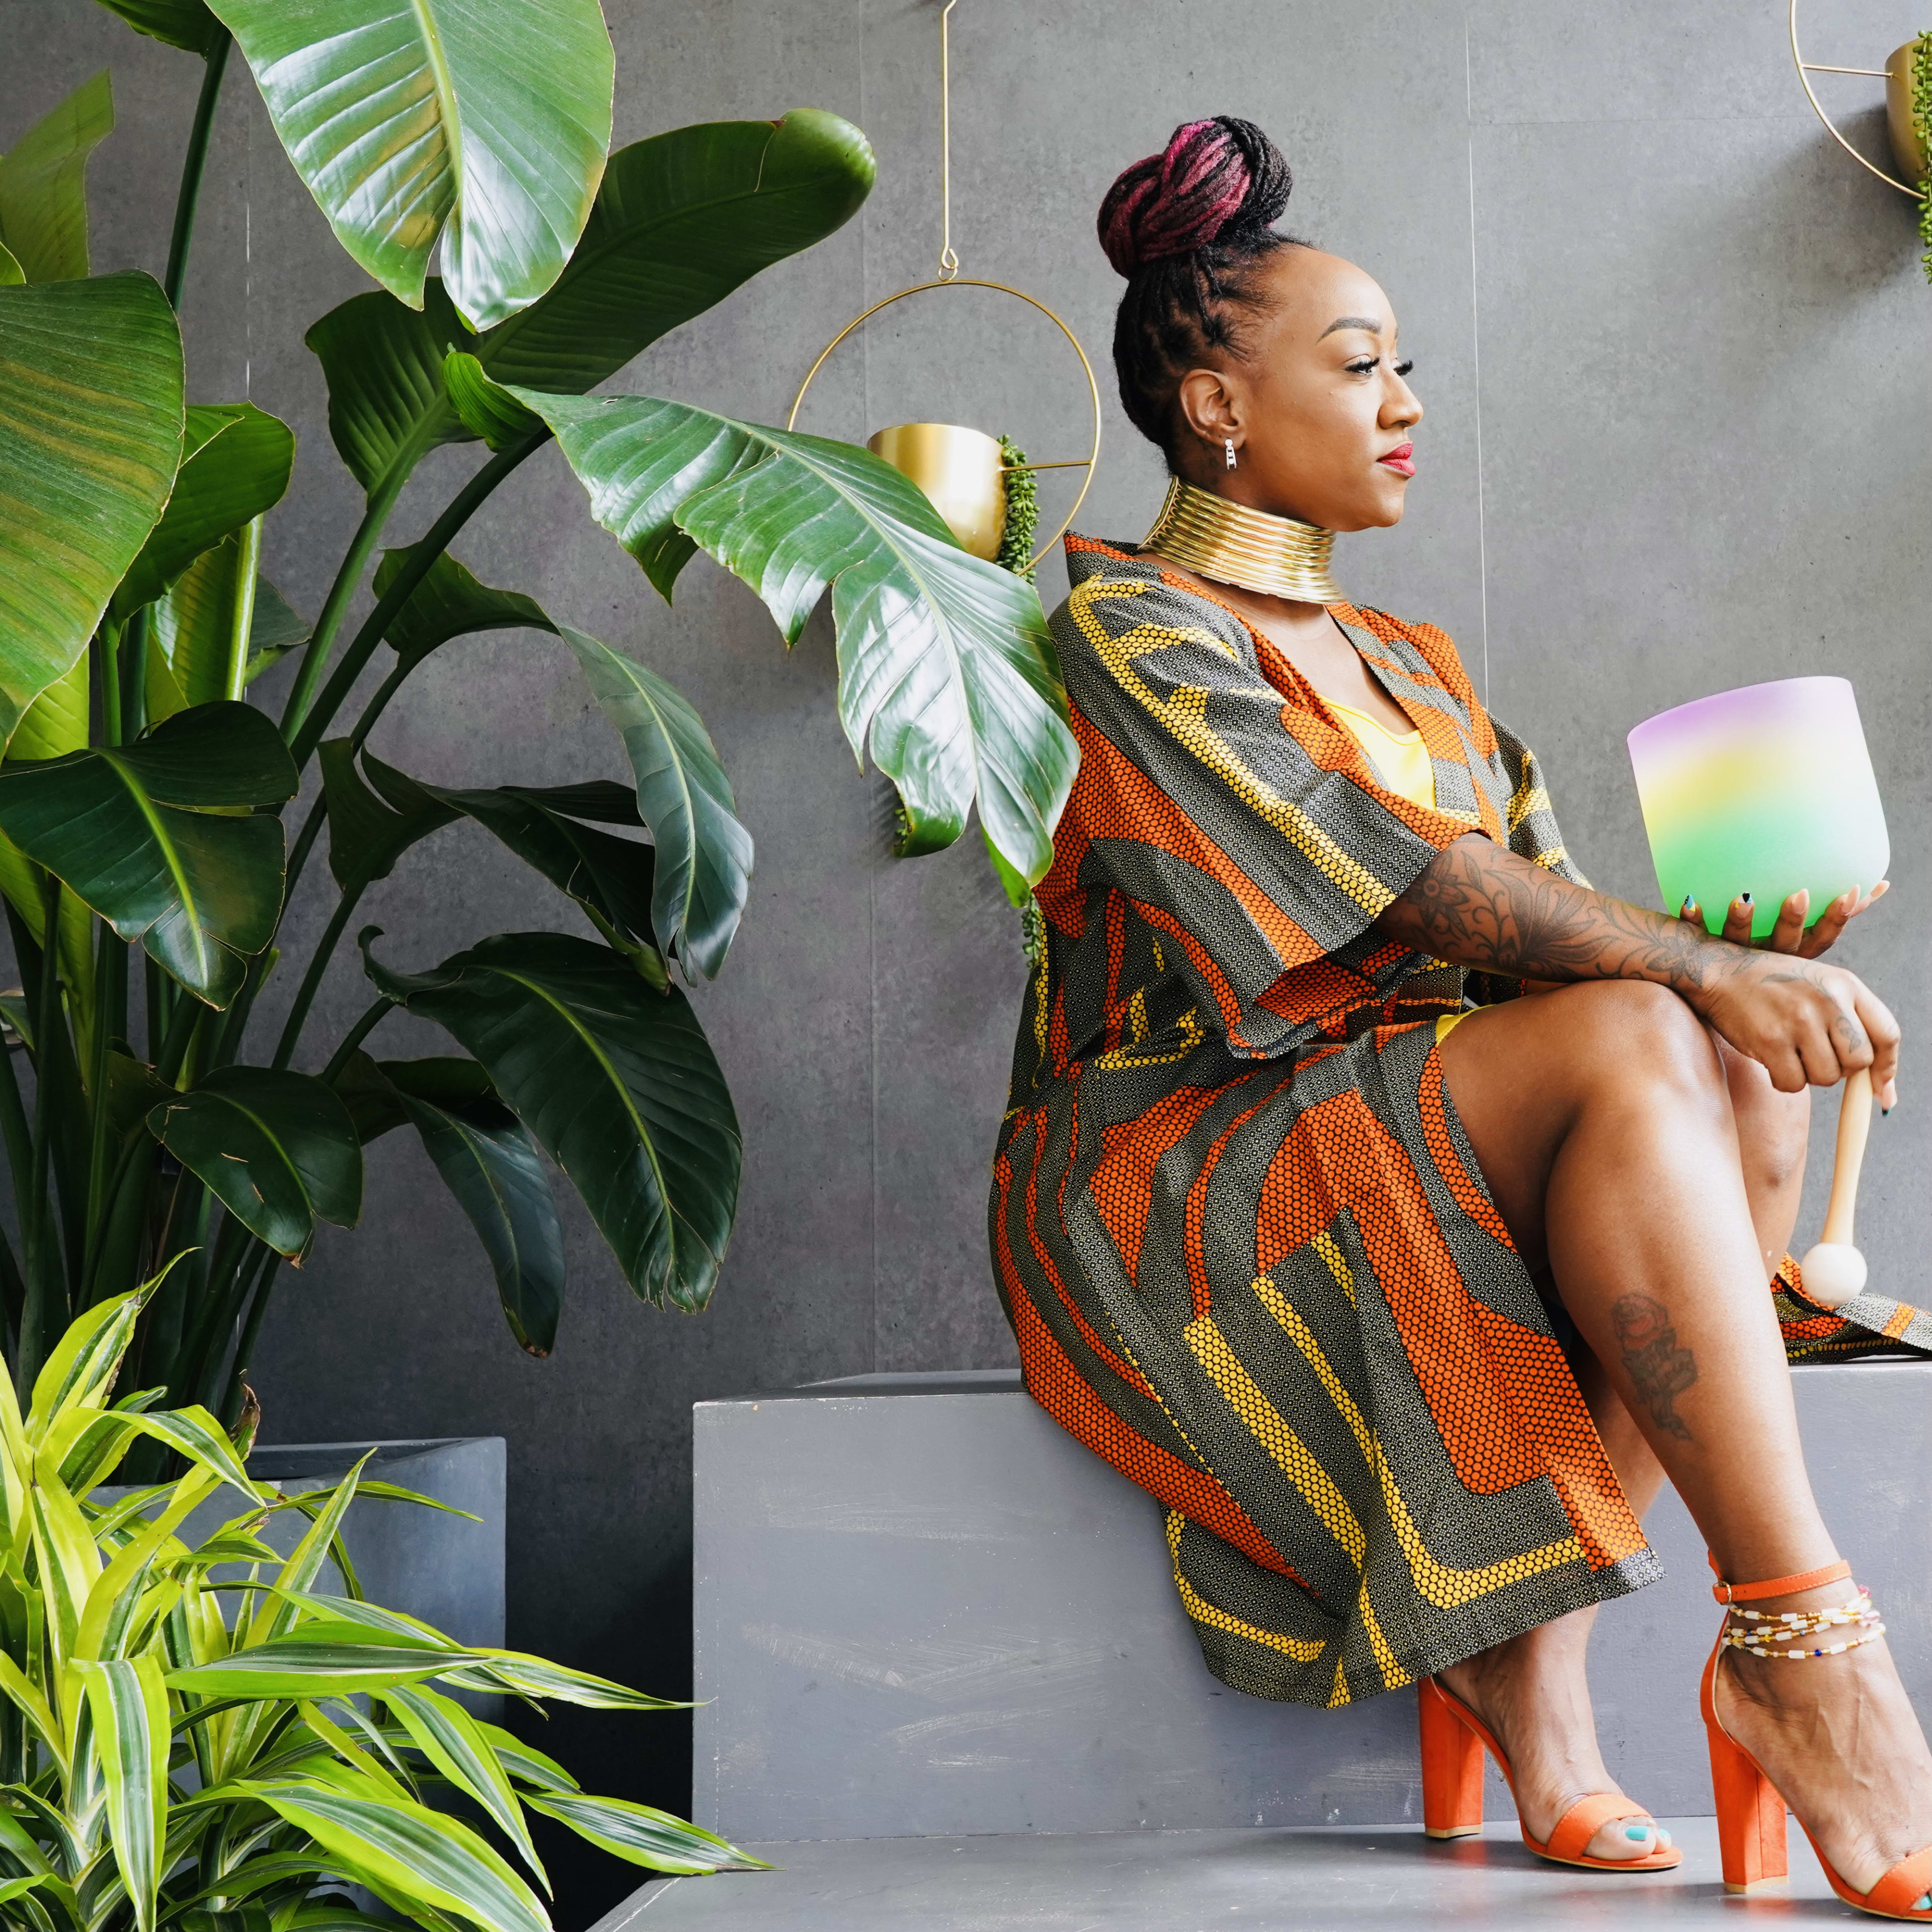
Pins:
<point x="1401" y="459"/>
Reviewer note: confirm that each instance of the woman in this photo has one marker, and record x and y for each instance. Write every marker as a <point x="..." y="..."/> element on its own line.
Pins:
<point x="1396" y="1208"/>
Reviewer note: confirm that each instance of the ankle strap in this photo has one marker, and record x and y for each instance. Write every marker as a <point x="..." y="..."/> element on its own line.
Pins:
<point x="1778" y="1586"/>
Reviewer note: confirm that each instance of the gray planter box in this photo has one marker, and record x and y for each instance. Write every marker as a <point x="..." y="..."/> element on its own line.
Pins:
<point x="444" y="1569"/>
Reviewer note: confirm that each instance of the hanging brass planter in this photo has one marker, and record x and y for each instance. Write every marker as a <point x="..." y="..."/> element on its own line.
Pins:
<point x="1896" y="75"/>
<point x="1907" y="147"/>
<point x="960" y="470"/>
<point x="963" y="471"/>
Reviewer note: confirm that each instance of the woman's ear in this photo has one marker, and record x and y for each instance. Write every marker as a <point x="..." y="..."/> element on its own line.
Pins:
<point x="1207" y="409"/>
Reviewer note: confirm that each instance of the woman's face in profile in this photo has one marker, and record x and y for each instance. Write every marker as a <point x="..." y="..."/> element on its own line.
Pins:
<point x="1319" y="406"/>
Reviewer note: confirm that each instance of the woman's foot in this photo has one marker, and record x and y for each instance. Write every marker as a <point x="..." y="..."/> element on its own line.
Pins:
<point x="1838" y="1738"/>
<point x="1532" y="1692"/>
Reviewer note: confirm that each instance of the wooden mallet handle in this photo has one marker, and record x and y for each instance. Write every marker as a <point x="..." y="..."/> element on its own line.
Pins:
<point x="1854" y="1125"/>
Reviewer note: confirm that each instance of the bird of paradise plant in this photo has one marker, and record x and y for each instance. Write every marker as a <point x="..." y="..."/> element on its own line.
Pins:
<point x="144" y="871"/>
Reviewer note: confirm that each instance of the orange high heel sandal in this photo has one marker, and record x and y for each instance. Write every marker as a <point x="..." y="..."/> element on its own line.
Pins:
<point x="1454" y="1740"/>
<point x="1750" y="1813"/>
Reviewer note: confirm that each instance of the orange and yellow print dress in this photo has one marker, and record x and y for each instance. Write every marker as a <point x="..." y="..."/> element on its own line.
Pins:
<point x="1237" y="1228"/>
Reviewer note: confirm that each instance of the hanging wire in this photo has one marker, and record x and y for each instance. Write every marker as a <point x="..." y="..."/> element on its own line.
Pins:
<point x="949" y="262"/>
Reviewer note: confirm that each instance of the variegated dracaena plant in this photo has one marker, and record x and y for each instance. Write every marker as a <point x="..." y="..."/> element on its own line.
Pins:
<point x="193" y="1735"/>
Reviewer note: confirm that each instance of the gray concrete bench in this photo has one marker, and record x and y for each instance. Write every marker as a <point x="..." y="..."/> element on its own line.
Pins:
<point x="922" y="1609"/>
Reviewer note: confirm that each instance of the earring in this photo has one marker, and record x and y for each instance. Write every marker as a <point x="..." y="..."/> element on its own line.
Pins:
<point x="1230" y="442"/>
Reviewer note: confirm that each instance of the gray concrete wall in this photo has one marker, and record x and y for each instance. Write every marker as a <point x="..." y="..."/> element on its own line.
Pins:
<point x="1672" y="343"/>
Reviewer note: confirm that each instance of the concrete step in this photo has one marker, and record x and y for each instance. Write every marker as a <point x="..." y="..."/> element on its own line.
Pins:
<point x="1355" y="1878"/>
<point x="922" y="1609"/>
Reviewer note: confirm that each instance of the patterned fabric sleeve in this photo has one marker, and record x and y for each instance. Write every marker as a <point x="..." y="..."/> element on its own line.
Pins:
<point x="1215" y="797"/>
<point x="1534" y="834"/>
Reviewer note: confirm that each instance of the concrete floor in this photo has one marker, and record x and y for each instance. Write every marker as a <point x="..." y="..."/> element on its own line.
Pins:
<point x="1325" y="1880"/>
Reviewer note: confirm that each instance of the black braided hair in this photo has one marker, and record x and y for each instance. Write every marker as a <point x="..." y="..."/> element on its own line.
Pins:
<point x="1189" y="228"/>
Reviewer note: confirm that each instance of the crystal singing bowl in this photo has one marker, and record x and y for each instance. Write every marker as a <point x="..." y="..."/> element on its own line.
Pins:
<point x="1762" y="790"/>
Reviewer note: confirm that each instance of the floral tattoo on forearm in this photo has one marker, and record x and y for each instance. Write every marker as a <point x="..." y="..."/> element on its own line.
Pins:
<point x="1477" y="904"/>
<point x="1659" y="1369"/>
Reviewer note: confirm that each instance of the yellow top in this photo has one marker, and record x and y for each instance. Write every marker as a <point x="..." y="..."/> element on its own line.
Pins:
<point x="1401" y="759"/>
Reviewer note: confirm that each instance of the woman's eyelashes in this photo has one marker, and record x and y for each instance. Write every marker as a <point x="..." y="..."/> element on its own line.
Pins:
<point x="1403" y="368"/>
<point x="1366" y="365"/>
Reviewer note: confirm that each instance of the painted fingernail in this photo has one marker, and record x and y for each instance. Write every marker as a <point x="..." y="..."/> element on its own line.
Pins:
<point x="1744" y="898"/>
<point x="1637" y="1831"/>
<point x="1689" y="902"/>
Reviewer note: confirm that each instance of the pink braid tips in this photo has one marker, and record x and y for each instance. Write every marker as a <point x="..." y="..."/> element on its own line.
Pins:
<point x="1175" y="202"/>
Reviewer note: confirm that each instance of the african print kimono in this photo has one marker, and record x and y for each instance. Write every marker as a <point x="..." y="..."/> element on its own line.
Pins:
<point x="1240" y="1233"/>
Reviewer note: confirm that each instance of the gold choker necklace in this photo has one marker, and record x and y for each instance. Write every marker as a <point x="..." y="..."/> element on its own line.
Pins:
<point x="1232" y="544"/>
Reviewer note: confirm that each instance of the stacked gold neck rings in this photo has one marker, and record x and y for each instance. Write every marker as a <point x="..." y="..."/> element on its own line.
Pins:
<point x="1280" y="555"/>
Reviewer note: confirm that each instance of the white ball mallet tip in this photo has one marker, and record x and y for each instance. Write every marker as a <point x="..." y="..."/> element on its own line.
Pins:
<point x="1833" y="1273"/>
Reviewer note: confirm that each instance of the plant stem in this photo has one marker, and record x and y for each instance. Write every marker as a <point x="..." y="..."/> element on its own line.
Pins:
<point x="230" y="1411"/>
<point x="318" y="968"/>
<point x="38" y="1314"/>
<point x="303" y="724"/>
<point x="193" y="164"/>
<point x="133" y="669"/>
<point x="106" y="946"/>
<point x="335" y="605"/>
<point x="107" y="669"/>
<point x="354" y="1038"/>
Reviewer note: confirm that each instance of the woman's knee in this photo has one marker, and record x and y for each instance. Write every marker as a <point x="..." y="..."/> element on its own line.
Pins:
<point x="1631" y="1032"/>
<point x="1773" y="1129"/>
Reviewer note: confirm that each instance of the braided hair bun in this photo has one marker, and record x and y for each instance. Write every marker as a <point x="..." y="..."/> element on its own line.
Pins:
<point x="1189" y="227"/>
<point x="1214" y="180"/>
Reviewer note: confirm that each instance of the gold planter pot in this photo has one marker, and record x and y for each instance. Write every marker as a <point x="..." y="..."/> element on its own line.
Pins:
<point x="960" y="471"/>
<point x="1906" y="145"/>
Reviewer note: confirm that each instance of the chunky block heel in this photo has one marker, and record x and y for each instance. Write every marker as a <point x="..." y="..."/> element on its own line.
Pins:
<point x="1452" y="1768"/>
<point x="1454" y="1741"/>
<point x="1750" y="1813"/>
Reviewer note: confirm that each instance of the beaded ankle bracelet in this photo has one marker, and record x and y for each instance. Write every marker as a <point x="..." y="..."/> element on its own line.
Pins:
<point x="1755" y="1630"/>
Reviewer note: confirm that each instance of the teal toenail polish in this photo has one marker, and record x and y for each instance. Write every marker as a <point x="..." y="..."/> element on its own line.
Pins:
<point x="1636" y="1832"/>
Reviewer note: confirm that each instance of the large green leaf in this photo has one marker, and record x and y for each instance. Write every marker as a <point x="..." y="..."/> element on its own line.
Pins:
<point x="367" y="836"/>
<point x="457" y="1745"/>
<point x="617" y="1083"/>
<point x="277" y="1150"/>
<point x="235" y="461"/>
<point x="90" y="433"/>
<point x="642" y="1833"/>
<point x="142" y="834"/>
<point x="944" y="662"/>
<point x="409" y="1850"/>
<point x="680" y="221"/>
<point x="130" y="1702"/>
<point x="217" y="628"/>
<point x="187" y="24"/>
<point x="43" y="185"/>
<point x="325" y="1660"/>
<point x="703" y="865"/>
<point x="56" y="723"/>
<point x="449" y="602"/>
<point x="485" y="122"/>
<point x="487" y="1160"/>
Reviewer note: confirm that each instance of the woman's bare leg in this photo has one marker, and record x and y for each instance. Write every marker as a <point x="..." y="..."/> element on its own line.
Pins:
<point x="1533" y="1691"/>
<point x="1603" y="1118"/>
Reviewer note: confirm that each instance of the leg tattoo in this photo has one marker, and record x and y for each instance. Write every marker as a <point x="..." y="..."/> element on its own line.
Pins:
<point x="1658" y="1366"/>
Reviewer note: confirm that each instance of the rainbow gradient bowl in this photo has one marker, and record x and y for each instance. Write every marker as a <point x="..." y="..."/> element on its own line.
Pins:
<point x="1762" y="789"/>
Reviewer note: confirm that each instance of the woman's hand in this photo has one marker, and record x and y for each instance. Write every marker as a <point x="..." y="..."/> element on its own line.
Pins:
<point x="1790" y="935"/>
<point x="1808" y="1024"/>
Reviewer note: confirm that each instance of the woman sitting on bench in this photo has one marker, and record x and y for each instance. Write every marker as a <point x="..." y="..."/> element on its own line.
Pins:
<point x="1397" y="1209"/>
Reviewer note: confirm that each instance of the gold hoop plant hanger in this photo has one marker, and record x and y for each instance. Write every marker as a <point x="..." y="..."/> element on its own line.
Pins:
<point x="1897" y="73"/>
<point x="962" y="470"/>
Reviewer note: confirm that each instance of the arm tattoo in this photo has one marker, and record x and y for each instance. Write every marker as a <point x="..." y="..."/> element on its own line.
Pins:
<point x="1477" y="904"/>
<point x="1658" y="1367"/>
